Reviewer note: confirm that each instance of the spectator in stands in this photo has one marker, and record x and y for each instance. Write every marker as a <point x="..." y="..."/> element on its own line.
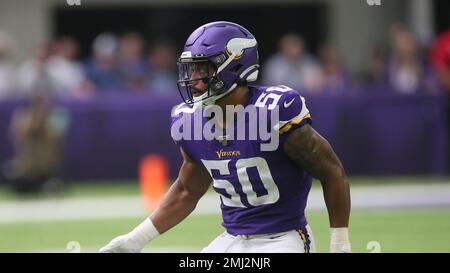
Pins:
<point x="440" y="59"/>
<point x="335" y="79"/>
<point x="132" y="64"/>
<point x="292" y="66"/>
<point x="162" y="77"/>
<point x="33" y="75"/>
<point x="66" y="73"/>
<point x="377" y="65"/>
<point x="7" y="45"/>
<point x="373" y="77"/>
<point x="102" y="69"/>
<point x="37" y="131"/>
<point x="406" y="70"/>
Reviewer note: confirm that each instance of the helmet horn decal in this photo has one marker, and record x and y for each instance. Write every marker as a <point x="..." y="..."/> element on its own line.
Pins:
<point x="235" y="48"/>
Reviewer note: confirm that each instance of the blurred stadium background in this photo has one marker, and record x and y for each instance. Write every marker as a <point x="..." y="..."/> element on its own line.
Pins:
<point x="86" y="92"/>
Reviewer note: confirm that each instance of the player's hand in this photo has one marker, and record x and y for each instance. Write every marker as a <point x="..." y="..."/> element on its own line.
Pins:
<point x="134" y="241"/>
<point x="339" y="242"/>
<point x="122" y="244"/>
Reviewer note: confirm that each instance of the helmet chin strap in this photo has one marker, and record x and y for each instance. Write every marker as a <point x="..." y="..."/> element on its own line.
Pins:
<point x="227" y="62"/>
<point x="205" y="100"/>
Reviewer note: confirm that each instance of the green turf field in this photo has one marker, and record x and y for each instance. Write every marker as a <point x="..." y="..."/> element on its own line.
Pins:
<point x="396" y="230"/>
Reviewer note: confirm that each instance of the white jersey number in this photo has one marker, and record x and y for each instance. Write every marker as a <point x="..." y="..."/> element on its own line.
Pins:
<point x="234" y="199"/>
<point x="266" y="97"/>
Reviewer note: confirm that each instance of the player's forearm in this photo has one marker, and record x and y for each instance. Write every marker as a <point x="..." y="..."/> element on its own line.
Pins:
<point x="336" y="193"/>
<point x="314" y="154"/>
<point x="177" y="204"/>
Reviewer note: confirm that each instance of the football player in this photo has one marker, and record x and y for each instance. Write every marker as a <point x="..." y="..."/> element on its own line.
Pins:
<point x="263" y="193"/>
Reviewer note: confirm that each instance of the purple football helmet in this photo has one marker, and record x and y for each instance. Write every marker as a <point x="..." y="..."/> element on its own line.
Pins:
<point x="227" y="47"/>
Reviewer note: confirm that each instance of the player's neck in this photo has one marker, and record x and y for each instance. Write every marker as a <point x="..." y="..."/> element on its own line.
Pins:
<point x="236" y="97"/>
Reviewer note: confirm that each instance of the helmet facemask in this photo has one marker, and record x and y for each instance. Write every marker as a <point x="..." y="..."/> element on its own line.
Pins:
<point x="192" y="70"/>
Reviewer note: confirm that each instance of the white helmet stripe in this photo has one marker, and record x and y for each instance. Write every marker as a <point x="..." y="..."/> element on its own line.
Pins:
<point x="225" y="63"/>
<point x="186" y="54"/>
<point x="244" y="73"/>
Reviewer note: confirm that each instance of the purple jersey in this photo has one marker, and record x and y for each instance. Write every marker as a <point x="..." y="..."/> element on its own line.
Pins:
<point x="261" y="191"/>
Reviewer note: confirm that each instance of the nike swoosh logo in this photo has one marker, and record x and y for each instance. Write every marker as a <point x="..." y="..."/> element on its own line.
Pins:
<point x="287" y="104"/>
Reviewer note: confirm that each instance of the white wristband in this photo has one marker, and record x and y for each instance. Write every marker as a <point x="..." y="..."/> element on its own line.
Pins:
<point x="144" y="233"/>
<point x="339" y="241"/>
